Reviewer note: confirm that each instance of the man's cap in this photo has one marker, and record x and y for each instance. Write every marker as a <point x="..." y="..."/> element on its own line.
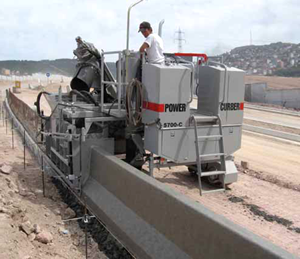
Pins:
<point x="145" y="25"/>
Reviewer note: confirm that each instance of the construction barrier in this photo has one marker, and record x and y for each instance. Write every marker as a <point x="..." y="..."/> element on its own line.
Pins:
<point x="28" y="117"/>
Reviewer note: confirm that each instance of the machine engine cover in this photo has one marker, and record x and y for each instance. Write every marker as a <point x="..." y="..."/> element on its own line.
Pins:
<point x="166" y="96"/>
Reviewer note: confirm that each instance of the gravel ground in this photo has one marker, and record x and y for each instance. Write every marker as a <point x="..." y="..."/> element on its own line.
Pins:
<point x="106" y="242"/>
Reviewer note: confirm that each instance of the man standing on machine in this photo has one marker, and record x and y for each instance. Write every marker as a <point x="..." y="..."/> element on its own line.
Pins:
<point x="153" y="45"/>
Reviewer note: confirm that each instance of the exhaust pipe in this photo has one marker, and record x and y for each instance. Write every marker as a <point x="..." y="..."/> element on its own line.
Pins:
<point x="160" y="27"/>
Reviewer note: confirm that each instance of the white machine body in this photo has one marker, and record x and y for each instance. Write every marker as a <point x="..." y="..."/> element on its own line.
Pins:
<point x="169" y="131"/>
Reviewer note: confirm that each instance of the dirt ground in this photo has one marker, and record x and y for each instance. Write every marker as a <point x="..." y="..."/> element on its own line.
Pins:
<point x="264" y="208"/>
<point x="275" y="82"/>
<point x="265" y="200"/>
<point x="32" y="226"/>
<point x="276" y="157"/>
<point x="22" y="204"/>
<point x="273" y="118"/>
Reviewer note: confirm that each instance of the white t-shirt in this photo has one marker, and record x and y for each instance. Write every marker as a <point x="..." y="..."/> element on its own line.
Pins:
<point x="155" y="50"/>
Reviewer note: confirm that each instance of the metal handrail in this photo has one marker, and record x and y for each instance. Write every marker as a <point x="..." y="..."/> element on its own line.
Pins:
<point x="118" y="82"/>
<point x="225" y="77"/>
<point x="198" y="55"/>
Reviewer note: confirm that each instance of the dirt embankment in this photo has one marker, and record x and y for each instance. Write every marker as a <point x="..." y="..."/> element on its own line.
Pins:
<point x="275" y="82"/>
<point x="33" y="226"/>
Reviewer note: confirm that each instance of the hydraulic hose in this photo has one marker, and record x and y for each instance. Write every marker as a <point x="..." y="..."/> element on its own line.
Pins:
<point x="38" y="106"/>
<point x="134" y="92"/>
<point x="79" y="93"/>
<point x="89" y="96"/>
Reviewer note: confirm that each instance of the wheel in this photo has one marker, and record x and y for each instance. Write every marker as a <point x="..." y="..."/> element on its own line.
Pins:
<point x="192" y="169"/>
<point x="213" y="179"/>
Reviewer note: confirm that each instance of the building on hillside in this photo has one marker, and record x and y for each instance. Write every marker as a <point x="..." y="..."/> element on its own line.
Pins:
<point x="5" y="71"/>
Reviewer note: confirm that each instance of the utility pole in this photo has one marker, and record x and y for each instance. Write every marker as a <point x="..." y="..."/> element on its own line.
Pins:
<point x="180" y="39"/>
<point x="250" y="38"/>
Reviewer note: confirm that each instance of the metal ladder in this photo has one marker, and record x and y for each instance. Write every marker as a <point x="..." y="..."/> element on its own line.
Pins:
<point x="221" y="153"/>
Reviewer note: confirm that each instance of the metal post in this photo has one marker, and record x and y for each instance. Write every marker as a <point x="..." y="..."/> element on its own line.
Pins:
<point x="3" y="116"/>
<point x="12" y="133"/>
<point x="80" y="151"/>
<point x="86" y="242"/>
<point x="6" y="123"/>
<point x="1" y="105"/>
<point x="42" y="127"/>
<point x="127" y="38"/>
<point x="151" y="164"/>
<point x="101" y="82"/>
<point x="85" y="220"/>
<point x="119" y="83"/>
<point x="24" y="151"/>
<point x="43" y="176"/>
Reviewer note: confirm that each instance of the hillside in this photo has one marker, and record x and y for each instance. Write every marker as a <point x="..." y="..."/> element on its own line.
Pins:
<point x="274" y="82"/>
<point x="64" y="67"/>
<point x="282" y="59"/>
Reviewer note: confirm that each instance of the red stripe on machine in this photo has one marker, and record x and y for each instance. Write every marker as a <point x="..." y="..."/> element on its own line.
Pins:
<point x="154" y="106"/>
<point x="241" y="106"/>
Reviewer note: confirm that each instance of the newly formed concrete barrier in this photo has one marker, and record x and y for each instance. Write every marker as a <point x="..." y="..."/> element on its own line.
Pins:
<point x="154" y="221"/>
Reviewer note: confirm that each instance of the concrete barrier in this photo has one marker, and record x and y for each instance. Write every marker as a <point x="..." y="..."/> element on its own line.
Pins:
<point x="154" y="221"/>
<point x="260" y="93"/>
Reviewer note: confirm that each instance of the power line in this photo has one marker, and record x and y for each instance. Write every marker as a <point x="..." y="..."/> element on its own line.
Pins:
<point x="180" y="39"/>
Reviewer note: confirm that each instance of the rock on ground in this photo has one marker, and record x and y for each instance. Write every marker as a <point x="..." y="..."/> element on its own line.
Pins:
<point x="37" y="229"/>
<point x="69" y="213"/>
<point x="27" y="227"/>
<point x="6" y="169"/>
<point x="44" y="237"/>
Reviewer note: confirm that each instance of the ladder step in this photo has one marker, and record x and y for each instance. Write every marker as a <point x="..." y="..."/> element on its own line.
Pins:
<point x="216" y="154"/>
<point x="215" y="190"/>
<point x="204" y="118"/>
<point x="212" y="173"/>
<point x="210" y="136"/>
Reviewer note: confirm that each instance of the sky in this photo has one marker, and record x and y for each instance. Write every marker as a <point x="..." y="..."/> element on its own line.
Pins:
<point x="35" y="29"/>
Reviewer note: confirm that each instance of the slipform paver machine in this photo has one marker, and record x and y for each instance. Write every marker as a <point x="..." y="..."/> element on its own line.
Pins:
<point x="108" y="125"/>
<point x="150" y="120"/>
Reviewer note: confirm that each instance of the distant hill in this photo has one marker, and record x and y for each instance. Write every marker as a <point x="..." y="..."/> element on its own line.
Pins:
<point x="66" y="67"/>
<point x="282" y="59"/>
<point x="274" y="59"/>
